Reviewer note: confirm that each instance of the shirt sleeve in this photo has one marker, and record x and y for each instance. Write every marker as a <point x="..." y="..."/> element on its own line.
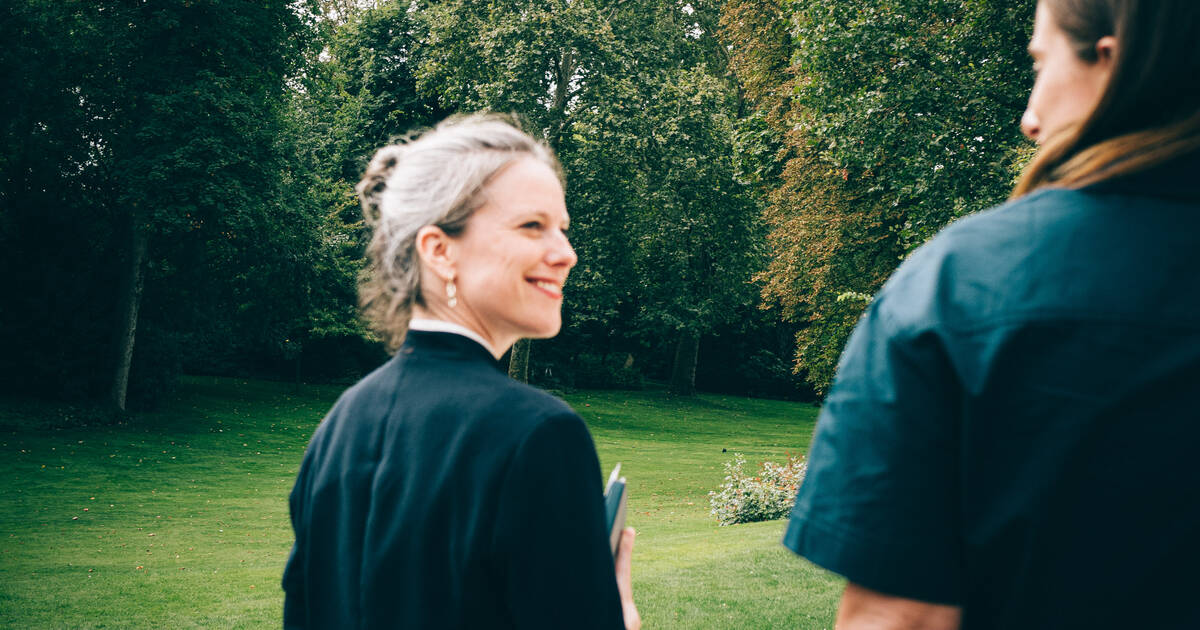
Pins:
<point x="550" y="545"/>
<point x="880" y="503"/>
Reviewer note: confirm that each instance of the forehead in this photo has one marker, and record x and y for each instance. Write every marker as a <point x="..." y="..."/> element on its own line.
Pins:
<point x="526" y="185"/>
<point x="1045" y="29"/>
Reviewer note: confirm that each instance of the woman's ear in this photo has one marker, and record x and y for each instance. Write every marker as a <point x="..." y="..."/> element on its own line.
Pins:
<point x="436" y="251"/>
<point x="1106" y="51"/>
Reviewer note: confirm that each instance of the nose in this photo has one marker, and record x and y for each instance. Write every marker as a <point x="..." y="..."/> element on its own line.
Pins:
<point x="561" y="252"/>
<point x="1030" y="126"/>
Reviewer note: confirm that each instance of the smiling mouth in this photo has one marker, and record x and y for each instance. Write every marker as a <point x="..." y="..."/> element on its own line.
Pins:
<point x="551" y="289"/>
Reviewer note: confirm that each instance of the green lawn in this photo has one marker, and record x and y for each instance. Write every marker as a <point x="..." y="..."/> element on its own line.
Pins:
<point x="179" y="519"/>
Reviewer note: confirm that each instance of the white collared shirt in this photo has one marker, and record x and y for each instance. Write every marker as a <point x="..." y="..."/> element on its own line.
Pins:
<point x="438" y="325"/>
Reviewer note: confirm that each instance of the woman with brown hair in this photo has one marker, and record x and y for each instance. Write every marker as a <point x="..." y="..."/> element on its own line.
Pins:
<point x="1009" y="439"/>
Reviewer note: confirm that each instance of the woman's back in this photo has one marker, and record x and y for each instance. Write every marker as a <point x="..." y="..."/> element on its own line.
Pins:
<point x="440" y="493"/>
<point x="1036" y="365"/>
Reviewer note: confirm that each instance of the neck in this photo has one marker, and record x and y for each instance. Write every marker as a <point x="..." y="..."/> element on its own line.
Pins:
<point x="461" y="317"/>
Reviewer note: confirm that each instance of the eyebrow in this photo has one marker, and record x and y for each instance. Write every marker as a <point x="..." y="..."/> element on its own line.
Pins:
<point x="543" y="214"/>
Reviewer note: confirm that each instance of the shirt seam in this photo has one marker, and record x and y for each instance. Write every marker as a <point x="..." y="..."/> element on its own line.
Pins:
<point x="1040" y="316"/>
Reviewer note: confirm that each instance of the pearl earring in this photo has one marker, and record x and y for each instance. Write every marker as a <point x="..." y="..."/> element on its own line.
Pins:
<point x="451" y="293"/>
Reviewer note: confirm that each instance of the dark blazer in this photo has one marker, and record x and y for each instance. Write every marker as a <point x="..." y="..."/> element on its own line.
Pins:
<point x="439" y="493"/>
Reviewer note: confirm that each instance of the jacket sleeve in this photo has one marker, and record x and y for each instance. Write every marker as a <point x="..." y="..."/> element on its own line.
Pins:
<point x="550" y="545"/>
<point x="295" y="588"/>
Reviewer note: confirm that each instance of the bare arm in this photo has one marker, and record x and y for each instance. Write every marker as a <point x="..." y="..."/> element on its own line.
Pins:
<point x="864" y="609"/>
<point x="633" y="621"/>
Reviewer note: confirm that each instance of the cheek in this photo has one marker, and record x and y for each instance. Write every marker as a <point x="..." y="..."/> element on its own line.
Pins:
<point x="1064" y="96"/>
<point x="1054" y="103"/>
<point x="493" y="271"/>
<point x="1037" y="96"/>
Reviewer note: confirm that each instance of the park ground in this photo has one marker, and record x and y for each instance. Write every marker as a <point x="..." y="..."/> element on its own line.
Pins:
<point x="178" y="518"/>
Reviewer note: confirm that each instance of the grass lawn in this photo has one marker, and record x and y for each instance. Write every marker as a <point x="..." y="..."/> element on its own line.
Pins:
<point x="179" y="519"/>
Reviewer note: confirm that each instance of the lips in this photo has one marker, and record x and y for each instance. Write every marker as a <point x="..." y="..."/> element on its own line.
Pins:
<point x="549" y="287"/>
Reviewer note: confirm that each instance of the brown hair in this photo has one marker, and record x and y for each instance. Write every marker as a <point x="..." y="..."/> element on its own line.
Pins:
<point x="1149" y="112"/>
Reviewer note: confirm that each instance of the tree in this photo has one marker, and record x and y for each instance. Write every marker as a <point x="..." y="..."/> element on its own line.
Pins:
<point x="177" y="168"/>
<point x="54" y="238"/>
<point x="356" y="96"/>
<point x="625" y="95"/>
<point x="698" y="242"/>
<point x="890" y="118"/>
<point x="194" y="92"/>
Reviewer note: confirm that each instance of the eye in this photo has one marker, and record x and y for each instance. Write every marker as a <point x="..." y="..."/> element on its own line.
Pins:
<point x="532" y="225"/>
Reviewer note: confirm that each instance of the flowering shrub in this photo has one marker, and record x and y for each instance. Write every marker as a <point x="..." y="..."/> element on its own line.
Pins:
<point x="747" y="499"/>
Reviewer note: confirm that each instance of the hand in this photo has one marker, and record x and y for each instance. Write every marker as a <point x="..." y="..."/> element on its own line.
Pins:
<point x="625" y="579"/>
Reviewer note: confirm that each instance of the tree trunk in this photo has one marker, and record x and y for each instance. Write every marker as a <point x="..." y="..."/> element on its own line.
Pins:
<point x="132" y="283"/>
<point x="297" y="384"/>
<point x="564" y="70"/>
<point x="683" y="371"/>
<point x="518" y="362"/>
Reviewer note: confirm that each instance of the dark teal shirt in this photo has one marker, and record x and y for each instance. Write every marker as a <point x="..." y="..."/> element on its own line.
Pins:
<point x="1015" y="421"/>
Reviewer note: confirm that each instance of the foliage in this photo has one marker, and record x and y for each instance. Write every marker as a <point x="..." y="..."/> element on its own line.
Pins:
<point x="768" y="496"/>
<point x="873" y="125"/>
<point x="915" y="103"/>
<point x="802" y="144"/>
<point x="531" y="58"/>
<point x="631" y="97"/>
<point x="355" y="97"/>
<point x="360" y="94"/>
<point x="699" y="245"/>
<point x="160" y="119"/>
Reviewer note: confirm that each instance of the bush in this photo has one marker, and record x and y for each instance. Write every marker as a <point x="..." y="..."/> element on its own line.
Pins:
<point x="746" y="499"/>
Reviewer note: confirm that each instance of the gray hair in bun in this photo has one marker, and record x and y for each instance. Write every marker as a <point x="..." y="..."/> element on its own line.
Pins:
<point x="431" y="178"/>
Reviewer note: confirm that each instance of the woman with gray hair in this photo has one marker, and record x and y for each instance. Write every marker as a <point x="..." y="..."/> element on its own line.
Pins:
<point x="439" y="493"/>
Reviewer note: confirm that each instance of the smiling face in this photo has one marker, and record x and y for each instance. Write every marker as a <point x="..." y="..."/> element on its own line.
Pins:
<point x="1067" y="87"/>
<point x="513" y="258"/>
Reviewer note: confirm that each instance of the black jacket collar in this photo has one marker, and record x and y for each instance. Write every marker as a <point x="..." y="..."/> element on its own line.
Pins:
<point x="447" y="345"/>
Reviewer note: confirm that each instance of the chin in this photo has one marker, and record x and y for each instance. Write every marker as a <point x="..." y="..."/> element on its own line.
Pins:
<point x="545" y="333"/>
<point x="543" y="330"/>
